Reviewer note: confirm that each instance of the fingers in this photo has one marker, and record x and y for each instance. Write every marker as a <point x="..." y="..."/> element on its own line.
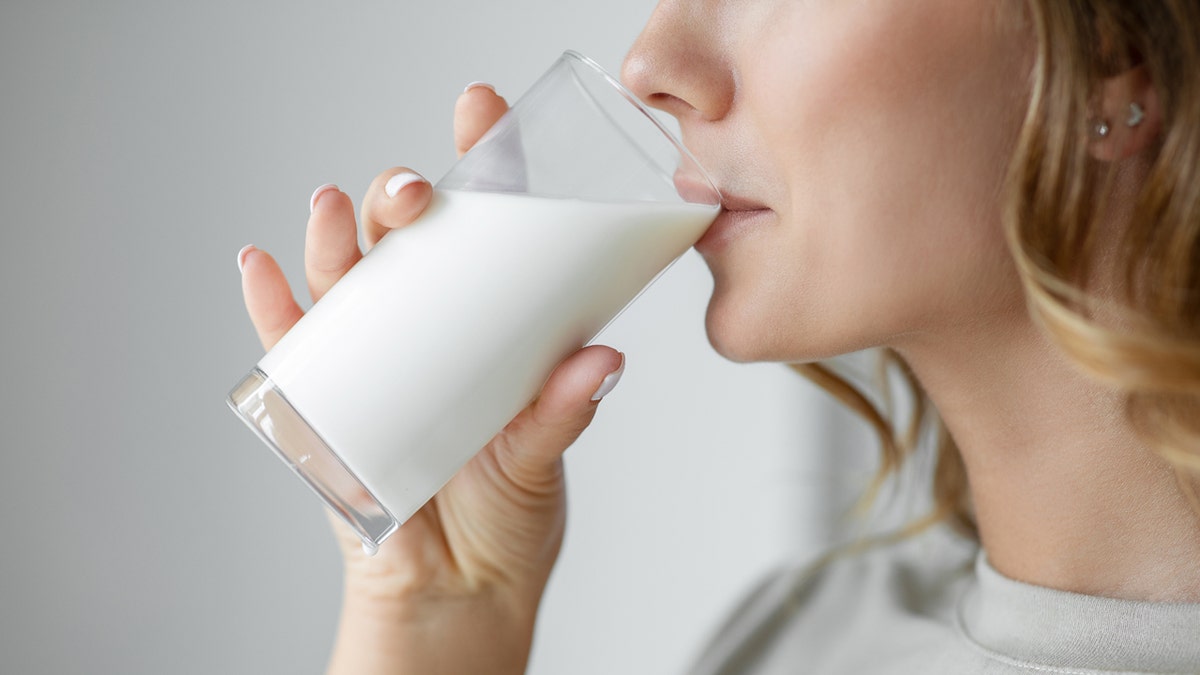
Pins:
<point x="269" y="301"/>
<point x="476" y="110"/>
<point x="529" y="448"/>
<point x="331" y="242"/>
<point x="398" y="196"/>
<point x="395" y="199"/>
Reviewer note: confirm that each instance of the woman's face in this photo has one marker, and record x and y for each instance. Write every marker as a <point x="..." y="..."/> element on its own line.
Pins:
<point x="861" y="146"/>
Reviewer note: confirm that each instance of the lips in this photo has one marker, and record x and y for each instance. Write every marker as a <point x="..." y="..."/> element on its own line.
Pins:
<point x="732" y="202"/>
<point x="737" y="211"/>
<point x="693" y="188"/>
<point x="737" y="215"/>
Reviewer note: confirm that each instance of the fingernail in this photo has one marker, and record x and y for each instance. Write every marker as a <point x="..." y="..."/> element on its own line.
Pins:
<point x="242" y="256"/>
<point x="397" y="182"/>
<point x="312" y="201"/>
<point x="610" y="381"/>
<point x="471" y="86"/>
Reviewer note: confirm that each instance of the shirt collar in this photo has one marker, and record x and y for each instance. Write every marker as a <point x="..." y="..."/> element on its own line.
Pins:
<point x="1032" y="625"/>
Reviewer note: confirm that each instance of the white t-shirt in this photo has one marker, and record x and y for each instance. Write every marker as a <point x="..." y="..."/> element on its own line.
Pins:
<point x="932" y="605"/>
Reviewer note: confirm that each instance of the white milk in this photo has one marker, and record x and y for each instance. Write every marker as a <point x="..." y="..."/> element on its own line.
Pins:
<point x="449" y="327"/>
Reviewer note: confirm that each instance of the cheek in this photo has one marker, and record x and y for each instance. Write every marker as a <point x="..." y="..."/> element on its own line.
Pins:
<point x="890" y="140"/>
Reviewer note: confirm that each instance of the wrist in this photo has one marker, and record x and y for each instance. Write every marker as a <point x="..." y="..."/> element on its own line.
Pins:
<point x="428" y="634"/>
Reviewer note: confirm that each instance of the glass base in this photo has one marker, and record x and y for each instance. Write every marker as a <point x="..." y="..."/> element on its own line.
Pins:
<point x="264" y="409"/>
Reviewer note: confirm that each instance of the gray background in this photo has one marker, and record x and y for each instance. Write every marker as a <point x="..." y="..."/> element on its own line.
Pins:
<point x="144" y="529"/>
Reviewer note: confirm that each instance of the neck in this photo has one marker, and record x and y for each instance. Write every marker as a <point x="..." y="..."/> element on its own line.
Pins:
<point x="1066" y="495"/>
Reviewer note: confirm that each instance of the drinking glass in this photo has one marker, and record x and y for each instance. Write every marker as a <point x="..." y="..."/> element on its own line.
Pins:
<point x="561" y="214"/>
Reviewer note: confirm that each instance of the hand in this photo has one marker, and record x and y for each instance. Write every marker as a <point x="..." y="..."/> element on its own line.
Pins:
<point x="456" y="588"/>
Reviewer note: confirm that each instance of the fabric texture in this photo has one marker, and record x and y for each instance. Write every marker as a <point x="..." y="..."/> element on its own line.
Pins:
<point x="932" y="605"/>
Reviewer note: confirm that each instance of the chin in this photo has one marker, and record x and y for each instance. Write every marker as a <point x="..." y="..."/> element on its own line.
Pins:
<point x="743" y="336"/>
<point x="734" y="336"/>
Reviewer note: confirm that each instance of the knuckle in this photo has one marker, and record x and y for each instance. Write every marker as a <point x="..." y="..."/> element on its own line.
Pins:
<point x="330" y="262"/>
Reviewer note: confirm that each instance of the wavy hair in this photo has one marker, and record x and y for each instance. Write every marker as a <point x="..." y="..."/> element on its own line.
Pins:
<point x="1145" y="343"/>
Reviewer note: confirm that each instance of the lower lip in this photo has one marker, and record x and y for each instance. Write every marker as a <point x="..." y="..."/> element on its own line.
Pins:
<point x="727" y="226"/>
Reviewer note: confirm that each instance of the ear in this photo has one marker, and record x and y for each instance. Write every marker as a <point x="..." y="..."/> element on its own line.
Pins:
<point x="1121" y="97"/>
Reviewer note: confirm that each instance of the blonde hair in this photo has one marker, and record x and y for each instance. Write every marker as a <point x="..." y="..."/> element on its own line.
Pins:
<point x="1148" y="344"/>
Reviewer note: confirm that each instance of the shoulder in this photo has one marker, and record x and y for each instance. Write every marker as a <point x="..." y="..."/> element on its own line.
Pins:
<point x="921" y="575"/>
<point x="930" y="604"/>
<point x="902" y="592"/>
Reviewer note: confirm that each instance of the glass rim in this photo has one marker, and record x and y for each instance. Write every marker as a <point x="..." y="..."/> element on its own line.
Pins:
<point x="644" y="109"/>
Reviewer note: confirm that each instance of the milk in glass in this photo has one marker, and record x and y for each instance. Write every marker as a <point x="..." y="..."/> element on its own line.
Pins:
<point x="451" y="325"/>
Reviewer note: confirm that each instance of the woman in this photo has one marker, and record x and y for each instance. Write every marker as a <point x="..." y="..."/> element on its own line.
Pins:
<point x="1006" y="196"/>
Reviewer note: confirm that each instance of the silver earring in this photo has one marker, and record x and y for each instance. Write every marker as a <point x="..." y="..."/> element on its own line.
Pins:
<point x="1101" y="129"/>
<point x="1137" y="115"/>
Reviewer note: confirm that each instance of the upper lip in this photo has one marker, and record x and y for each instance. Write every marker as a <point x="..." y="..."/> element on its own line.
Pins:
<point x="733" y="202"/>
<point x="690" y="186"/>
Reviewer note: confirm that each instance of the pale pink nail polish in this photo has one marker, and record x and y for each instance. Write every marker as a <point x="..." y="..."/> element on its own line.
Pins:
<point x="312" y="201"/>
<point x="473" y="85"/>
<point x="610" y="381"/>
<point x="397" y="182"/>
<point x="242" y="256"/>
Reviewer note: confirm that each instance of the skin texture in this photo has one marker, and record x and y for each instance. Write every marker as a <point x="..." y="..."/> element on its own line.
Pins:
<point x="861" y="146"/>
<point x="877" y="134"/>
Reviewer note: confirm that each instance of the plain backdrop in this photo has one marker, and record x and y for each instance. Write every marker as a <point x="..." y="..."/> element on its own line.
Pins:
<point x="143" y="528"/>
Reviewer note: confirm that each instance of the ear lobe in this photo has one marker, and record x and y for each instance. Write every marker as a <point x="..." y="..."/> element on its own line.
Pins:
<point x="1128" y="108"/>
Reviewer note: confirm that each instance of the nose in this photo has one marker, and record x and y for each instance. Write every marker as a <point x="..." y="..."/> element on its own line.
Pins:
<point x="677" y="63"/>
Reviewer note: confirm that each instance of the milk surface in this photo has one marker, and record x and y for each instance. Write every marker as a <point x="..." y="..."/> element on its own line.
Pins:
<point x="448" y="328"/>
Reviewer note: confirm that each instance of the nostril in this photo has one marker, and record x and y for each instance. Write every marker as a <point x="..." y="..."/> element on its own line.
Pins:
<point x="677" y="64"/>
<point x="667" y="102"/>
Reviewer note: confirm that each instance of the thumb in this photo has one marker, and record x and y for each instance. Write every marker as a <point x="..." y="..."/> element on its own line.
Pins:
<point x="529" y="448"/>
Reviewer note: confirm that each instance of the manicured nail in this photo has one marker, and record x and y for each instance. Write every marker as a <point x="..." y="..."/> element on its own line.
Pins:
<point x="471" y="86"/>
<point x="397" y="182"/>
<point x="312" y="201"/>
<point x="242" y="256"/>
<point x="610" y="381"/>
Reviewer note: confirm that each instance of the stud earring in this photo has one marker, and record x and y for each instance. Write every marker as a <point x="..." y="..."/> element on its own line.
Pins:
<point x="1137" y="115"/>
<point x="1101" y="129"/>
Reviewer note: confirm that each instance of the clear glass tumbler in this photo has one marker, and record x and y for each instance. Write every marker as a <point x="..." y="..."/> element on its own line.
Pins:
<point x="535" y="240"/>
